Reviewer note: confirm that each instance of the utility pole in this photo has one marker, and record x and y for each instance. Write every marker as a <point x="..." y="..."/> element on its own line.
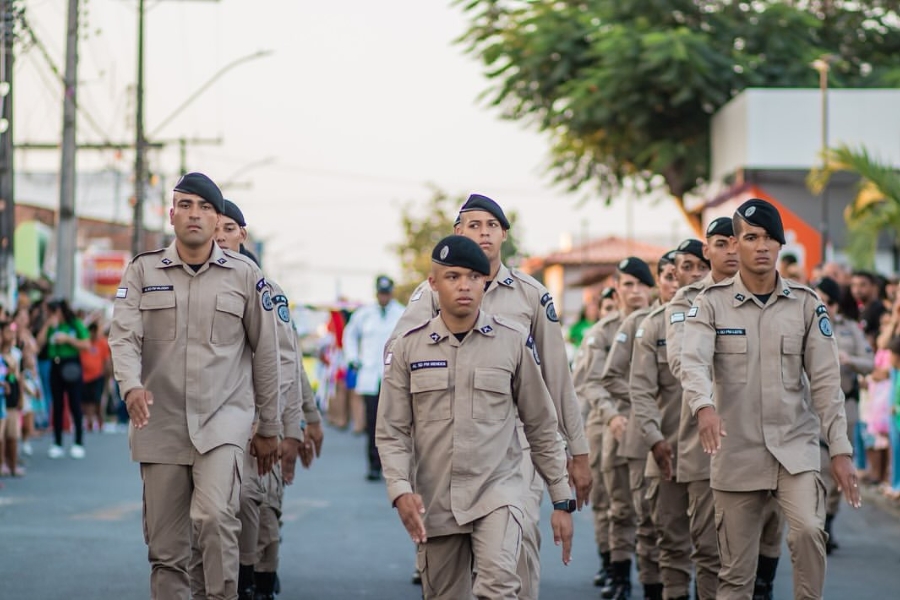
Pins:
<point x="8" y="288"/>
<point x="67" y="224"/>
<point x="137" y="234"/>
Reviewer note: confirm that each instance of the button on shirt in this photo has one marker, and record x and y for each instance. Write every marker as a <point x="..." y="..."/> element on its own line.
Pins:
<point x="453" y="405"/>
<point x="765" y="360"/>
<point x="364" y="339"/>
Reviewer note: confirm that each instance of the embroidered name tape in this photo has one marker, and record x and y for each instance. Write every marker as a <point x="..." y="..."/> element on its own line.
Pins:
<point x="428" y="364"/>
<point x="156" y="288"/>
<point x="730" y="331"/>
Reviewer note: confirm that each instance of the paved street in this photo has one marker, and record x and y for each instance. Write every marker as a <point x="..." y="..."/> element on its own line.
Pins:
<point x="72" y="531"/>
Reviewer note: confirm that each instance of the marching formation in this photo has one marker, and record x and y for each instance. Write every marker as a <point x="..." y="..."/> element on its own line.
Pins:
<point x="697" y="420"/>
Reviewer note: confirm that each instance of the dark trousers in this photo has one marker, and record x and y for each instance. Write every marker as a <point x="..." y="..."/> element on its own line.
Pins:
<point x="371" y="415"/>
<point x="59" y="389"/>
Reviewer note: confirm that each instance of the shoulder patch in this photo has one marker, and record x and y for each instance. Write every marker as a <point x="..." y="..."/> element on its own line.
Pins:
<point x="266" y="299"/>
<point x="551" y="313"/>
<point x="825" y="326"/>
<point x="677" y="317"/>
<point x="529" y="343"/>
<point x="415" y="297"/>
<point x="260" y="284"/>
<point x="639" y="333"/>
<point x="282" y="308"/>
<point x="121" y="293"/>
<point x="545" y="299"/>
<point x="693" y="312"/>
<point x="388" y="358"/>
<point x="821" y="310"/>
<point x="621" y="337"/>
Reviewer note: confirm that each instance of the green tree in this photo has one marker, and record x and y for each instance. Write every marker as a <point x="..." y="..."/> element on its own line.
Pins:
<point x="625" y="90"/>
<point x="876" y="207"/>
<point x="424" y="224"/>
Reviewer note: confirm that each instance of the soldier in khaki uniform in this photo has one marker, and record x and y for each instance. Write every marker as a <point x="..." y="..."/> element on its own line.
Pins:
<point x="624" y="457"/>
<point x="448" y="440"/>
<point x="656" y="409"/>
<point x="856" y="360"/>
<point x="755" y="348"/>
<point x="261" y="496"/>
<point x="194" y="347"/>
<point x="591" y="359"/>
<point x="517" y="296"/>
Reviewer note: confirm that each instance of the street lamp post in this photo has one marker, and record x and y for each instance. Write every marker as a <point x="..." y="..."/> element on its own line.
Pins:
<point x="823" y="66"/>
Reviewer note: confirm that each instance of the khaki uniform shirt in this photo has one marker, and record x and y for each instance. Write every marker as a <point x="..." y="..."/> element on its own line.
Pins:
<point x="597" y="342"/>
<point x="453" y="405"/>
<point x="522" y="298"/>
<point x="692" y="463"/>
<point x="655" y="392"/>
<point x="204" y="344"/>
<point x="766" y="359"/>
<point x="616" y="375"/>
<point x="852" y="341"/>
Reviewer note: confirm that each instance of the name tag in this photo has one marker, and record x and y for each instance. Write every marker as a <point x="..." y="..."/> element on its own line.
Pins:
<point x="677" y="317"/>
<point x="428" y="364"/>
<point x="729" y="331"/>
<point x="157" y="288"/>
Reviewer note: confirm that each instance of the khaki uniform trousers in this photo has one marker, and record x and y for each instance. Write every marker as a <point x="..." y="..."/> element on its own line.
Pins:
<point x="252" y="496"/>
<point x="529" y="563"/>
<point x="802" y="501"/>
<point x="622" y="518"/>
<point x="669" y="505"/>
<point x="701" y="511"/>
<point x="599" y="497"/>
<point x="646" y="538"/>
<point x="270" y="522"/>
<point x="183" y="503"/>
<point x="491" y="550"/>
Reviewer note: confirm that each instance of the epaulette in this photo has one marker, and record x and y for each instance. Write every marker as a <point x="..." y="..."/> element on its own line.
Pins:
<point x="799" y="286"/>
<point x="238" y="257"/>
<point x="415" y="328"/>
<point x="147" y="253"/>
<point x="614" y="315"/>
<point x="526" y="278"/>
<point x="659" y="309"/>
<point x="510" y="324"/>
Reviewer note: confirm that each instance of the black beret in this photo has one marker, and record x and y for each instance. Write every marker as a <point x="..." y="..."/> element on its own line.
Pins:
<point x="637" y="268"/>
<point x="460" y="251"/>
<point x="720" y="226"/>
<point x="830" y="287"/>
<point x="201" y="185"/>
<point x="668" y="258"/>
<point x="762" y="214"/>
<point x="231" y="210"/>
<point x="479" y="202"/>
<point x="693" y="247"/>
<point x="608" y="292"/>
<point x="384" y="284"/>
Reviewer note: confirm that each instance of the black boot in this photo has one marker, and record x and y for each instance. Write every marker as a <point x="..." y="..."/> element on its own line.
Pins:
<point x="265" y="586"/>
<point x="601" y="579"/>
<point x="766" y="567"/>
<point x="831" y="543"/>
<point x="621" y="580"/>
<point x="653" y="591"/>
<point x="246" y="586"/>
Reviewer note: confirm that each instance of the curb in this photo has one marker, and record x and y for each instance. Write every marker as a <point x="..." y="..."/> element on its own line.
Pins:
<point x="870" y="495"/>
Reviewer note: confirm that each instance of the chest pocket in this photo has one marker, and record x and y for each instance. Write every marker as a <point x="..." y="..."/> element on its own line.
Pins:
<point x="431" y="395"/>
<point x="792" y="362"/>
<point x="227" y="324"/>
<point x="492" y="396"/>
<point x="731" y="359"/>
<point x="158" y="315"/>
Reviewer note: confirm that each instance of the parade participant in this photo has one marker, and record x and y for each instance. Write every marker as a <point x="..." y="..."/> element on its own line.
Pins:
<point x="755" y="347"/>
<point x="513" y="294"/>
<point x="447" y="433"/>
<point x="194" y="348"/>
<point x="365" y="337"/>
<point x="656" y="410"/>
<point x="856" y="358"/>
<point x="261" y="497"/>
<point x="624" y="458"/>
<point x="608" y="301"/>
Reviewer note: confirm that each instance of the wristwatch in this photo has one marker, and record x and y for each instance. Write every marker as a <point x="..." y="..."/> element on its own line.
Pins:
<point x="566" y="505"/>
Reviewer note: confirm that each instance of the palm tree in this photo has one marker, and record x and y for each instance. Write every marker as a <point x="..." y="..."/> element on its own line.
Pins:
<point x="876" y="207"/>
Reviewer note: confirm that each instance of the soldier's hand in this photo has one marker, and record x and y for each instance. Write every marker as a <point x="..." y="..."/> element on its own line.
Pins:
<point x="411" y="509"/>
<point x="316" y="435"/>
<point x="845" y="475"/>
<point x="307" y="450"/>
<point x="663" y="455"/>
<point x="289" y="450"/>
<point x="580" y="476"/>
<point x="267" y="451"/>
<point x="138" y="402"/>
<point x="617" y="426"/>
<point x="711" y="428"/>
<point x="561" y="522"/>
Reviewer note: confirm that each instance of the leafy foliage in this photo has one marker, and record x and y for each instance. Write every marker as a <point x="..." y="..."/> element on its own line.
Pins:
<point x="423" y="229"/>
<point x="626" y="89"/>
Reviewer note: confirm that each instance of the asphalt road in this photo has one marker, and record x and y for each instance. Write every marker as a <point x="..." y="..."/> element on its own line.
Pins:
<point x="71" y="530"/>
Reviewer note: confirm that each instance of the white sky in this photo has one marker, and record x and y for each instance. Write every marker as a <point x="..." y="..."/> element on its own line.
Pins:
<point x="360" y="106"/>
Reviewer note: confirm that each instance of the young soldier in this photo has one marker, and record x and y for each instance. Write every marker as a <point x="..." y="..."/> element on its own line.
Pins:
<point x="692" y="466"/>
<point x="194" y="347"/>
<point x="452" y="388"/>
<point x="513" y="294"/>
<point x="656" y="410"/>
<point x="755" y="348"/>
<point x="261" y="497"/>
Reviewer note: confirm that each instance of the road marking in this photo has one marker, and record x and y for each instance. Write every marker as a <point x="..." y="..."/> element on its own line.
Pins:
<point x="299" y="508"/>
<point x="116" y="512"/>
